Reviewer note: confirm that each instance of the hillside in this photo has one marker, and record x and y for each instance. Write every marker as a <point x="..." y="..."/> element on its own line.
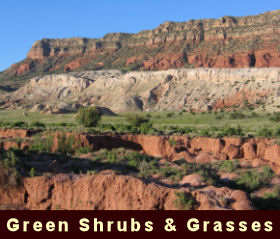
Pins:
<point x="227" y="42"/>
<point x="198" y="89"/>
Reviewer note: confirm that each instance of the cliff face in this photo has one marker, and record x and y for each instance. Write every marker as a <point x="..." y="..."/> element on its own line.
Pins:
<point x="111" y="192"/>
<point x="227" y="42"/>
<point x="258" y="151"/>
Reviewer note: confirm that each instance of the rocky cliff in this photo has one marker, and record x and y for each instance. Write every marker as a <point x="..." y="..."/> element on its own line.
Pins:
<point x="198" y="89"/>
<point x="227" y="42"/>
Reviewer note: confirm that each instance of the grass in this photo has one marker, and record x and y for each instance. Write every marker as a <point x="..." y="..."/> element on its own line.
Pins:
<point x="42" y="144"/>
<point x="251" y="180"/>
<point x="204" y="124"/>
<point x="228" y="166"/>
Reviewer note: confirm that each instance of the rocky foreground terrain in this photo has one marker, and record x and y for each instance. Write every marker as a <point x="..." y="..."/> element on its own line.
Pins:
<point x="198" y="89"/>
<point x="53" y="171"/>
<point x="227" y="42"/>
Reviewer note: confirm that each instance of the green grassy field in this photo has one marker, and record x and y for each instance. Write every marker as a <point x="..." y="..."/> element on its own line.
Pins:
<point x="250" y="122"/>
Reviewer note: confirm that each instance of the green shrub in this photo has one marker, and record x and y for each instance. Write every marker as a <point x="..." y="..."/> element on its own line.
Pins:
<point x="111" y="157"/>
<point x="136" y="120"/>
<point x="184" y="201"/>
<point x="205" y="133"/>
<point x="139" y="124"/>
<point x="172" y="141"/>
<point x="83" y="150"/>
<point x="41" y="144"/>
<point x="135" y="158"/>
<point x="149" y="116"/>
<point x="144" y="169"/>
<point x="275" y="117"/>
<point x="228" y="165"/>
<point x="267" y="173"/>
<point x="20" y="124"/>
<point x="37" y="124"/>
<point x="12" y="159"/>
<point x="186" y="130"/>
<point x="207" y="171"/>
<point x="10" y="163"/>
<point x="3" y="124"/>
<point x="169" y="172"/>
<point x="277" y="132"/>
<point x="253" y="179"/>
<point x="145" y="128"/>
<point x="219" y="117"/>
<point x="32" y="172"/>
<point x="176" y="176"/>
<point x="143" y="163"/>
<point x="250" y="180"/>
<point x="254" y="115"/>
<point x="168" y="115"/>
<point x="237" y="115"/>
<point x="65" y="144"/>
<point x="192" y="112"/>
<point x="88" y="117"/>
<point x="231" y="131"/>
<point x="264" y="132"/>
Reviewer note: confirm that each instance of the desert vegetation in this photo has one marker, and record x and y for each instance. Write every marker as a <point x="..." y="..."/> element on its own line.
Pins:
<point x="206" y="124"/>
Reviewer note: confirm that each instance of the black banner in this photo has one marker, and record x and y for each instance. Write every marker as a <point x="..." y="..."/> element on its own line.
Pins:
<point x="139" y="223"/>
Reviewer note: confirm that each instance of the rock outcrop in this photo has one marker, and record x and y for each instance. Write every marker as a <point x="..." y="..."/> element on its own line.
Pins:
<point x="174" y="89"/>
<point x="112" y="192"/>
<point x="227" y="42"/>
<point x="191" y="149"/>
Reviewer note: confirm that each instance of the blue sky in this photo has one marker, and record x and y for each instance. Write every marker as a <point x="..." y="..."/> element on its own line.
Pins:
<point x="24" y="22"/>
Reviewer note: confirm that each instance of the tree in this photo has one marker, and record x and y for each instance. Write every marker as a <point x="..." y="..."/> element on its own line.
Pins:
<point x="88" y="117"/>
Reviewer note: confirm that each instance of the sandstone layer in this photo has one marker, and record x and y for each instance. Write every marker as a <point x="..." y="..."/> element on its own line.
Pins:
<point x="111" y="192"/>
<point x="192" y="149"/>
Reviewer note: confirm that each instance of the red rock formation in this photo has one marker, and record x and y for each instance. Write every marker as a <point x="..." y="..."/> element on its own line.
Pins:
<point x="14" y="133"/>
<point x="227" y="42"/>
<point x="78" y="62"/>
<point x="133" y="59"/>
<point x="164" y="62"/>
<point x="199" y="149"/>
<point x="25" y="68"/>
<point x="111" y="192"/>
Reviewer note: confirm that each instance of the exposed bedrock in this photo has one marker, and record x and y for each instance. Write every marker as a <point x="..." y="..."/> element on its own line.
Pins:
<point x="192" y="149"/>
<point x="106" y="191"/>
<point x="174" y="89"/>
